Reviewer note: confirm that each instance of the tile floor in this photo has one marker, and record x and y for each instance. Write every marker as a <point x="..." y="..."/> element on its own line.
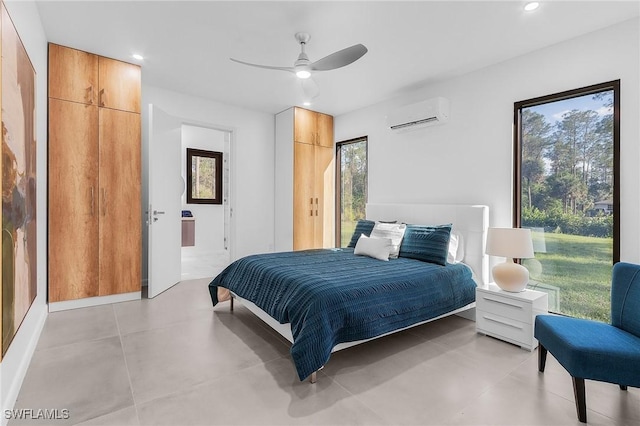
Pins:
<point x="175" y="360"/>
<point x="199" y="263"/>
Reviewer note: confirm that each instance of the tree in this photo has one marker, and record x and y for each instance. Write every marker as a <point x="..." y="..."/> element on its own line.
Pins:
<point x="535" y="132"/>
<point x="353" y="185"/>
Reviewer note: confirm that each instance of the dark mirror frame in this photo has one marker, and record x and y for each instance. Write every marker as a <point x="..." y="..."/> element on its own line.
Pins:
<point x="191" y="153"/>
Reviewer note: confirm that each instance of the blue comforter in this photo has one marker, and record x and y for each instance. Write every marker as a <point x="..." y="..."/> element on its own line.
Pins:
<point x="333" y="296"/>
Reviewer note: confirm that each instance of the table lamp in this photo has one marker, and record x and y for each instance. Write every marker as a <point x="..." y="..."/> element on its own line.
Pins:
<point x="512" y="243"/>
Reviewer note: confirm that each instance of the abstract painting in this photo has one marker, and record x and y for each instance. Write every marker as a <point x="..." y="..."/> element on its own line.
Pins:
<point x="19" y="284"/>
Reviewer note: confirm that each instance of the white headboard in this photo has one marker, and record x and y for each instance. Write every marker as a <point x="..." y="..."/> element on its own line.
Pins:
<point x="471" y="221"/>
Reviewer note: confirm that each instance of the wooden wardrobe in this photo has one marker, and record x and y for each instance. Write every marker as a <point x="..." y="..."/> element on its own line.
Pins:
<point x="305" y="170"/>
<point x="94" y="176"/>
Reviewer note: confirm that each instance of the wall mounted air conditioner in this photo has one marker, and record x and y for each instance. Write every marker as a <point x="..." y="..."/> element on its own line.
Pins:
<point x="419" y="115"/>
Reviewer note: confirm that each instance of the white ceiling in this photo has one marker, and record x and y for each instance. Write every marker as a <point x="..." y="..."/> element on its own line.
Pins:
<point x="187" y="44"/>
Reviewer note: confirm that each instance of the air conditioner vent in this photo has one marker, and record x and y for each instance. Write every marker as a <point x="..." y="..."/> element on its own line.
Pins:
<point x="419" y="115"/>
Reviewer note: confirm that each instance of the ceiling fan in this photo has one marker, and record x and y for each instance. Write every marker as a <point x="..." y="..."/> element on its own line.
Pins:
<point x="303" y="67"/>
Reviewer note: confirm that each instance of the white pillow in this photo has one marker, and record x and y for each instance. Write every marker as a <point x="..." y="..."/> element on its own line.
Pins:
<point x="378" y="248"/>
<point x="456" y="247"/>
<point x="393" y="231"/>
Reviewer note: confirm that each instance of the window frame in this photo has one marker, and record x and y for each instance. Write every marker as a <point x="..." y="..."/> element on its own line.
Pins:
<point x="218" y="156"/>
<point x="338" y="183"/>
<point x="614" y="86"/>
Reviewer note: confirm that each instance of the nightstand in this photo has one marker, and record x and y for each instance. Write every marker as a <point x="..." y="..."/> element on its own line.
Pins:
<point x="509" y="316"/>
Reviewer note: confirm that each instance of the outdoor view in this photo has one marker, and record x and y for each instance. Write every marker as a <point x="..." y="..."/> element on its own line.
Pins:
<point x="352" y="178"/>
<point x="203" y="175"/>
<point x="567" y="171"/>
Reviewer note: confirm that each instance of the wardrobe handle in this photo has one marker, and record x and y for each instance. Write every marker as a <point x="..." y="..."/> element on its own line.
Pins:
<point x="104" y="202"/>
<point x="92" y="201"/>
<point x="316" y="206"/>
<point x="90" y="94"/>
<point x="311" y="204"/>
<point x="102" y="96"/>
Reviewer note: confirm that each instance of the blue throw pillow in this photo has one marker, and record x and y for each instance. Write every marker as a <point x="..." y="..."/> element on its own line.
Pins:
<point x="426" y="243"/>
<point x="362" y="227"/>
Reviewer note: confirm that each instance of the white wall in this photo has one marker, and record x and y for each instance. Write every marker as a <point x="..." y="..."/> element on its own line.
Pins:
<point x="469" y="159"/>
<point x="209" y="218"/>
<point x="14" y="365"/>
<point x="252" y="163"/>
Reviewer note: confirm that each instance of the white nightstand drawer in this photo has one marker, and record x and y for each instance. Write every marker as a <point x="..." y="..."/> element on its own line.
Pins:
<point x="517" y="332"/>
<point x="497" y="304"/>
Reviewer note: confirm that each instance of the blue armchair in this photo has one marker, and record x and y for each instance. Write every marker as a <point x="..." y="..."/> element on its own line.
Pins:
<point x="595" y="350"/>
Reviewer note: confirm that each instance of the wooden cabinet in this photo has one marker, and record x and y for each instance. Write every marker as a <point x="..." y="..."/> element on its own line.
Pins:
<point x="313" y="128"/>
<point x="95" y="234"/>
<point x="305" y="205"/>
<point x="83" y="77"/>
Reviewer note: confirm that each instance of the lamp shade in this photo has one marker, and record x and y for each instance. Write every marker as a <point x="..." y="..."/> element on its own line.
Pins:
<point x="513" y="243"/>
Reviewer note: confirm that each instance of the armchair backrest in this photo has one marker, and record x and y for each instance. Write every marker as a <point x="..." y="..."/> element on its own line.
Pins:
<point x="625" y="297"/>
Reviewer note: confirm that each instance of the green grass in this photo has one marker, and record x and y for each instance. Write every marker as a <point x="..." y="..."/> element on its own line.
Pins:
<point x="346" y="231"/>
<point x="576" y="271"/>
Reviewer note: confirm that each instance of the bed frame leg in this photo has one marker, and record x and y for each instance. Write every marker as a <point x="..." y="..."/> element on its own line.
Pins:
<point x="231" y="304"/>
<point x="313" y="377"/>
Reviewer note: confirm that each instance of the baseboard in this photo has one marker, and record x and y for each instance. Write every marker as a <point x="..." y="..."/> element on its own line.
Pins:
<point x="94" y="301"/>
<point x="20" y="371"/>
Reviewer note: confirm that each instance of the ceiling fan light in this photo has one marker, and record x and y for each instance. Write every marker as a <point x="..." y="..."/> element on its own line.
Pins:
<point x="531" y="6"/>
<point x="303" y="74"/>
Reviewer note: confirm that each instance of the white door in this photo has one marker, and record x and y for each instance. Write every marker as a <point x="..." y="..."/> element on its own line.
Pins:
<point x="165" y="203"/>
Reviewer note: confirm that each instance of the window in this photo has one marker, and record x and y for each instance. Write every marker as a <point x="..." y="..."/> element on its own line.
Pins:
<point x="351" y="191"/>
<point x="566" y="190"/>
<point x="204" y="177"/>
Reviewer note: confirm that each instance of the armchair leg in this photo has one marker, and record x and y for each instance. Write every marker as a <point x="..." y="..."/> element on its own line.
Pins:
<point x="623" y="387"/>
<point x="581" y="400"/>
<point x="542" y="357"/>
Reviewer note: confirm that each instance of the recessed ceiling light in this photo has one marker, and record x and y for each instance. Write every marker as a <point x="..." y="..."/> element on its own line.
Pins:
<point x="531" y="6"/>
<point x="306" y="103"/>
<point x="137" y="56"/>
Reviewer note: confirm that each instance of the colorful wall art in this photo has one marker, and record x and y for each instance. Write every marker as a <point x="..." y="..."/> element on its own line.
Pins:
<point x="18" y="166"/>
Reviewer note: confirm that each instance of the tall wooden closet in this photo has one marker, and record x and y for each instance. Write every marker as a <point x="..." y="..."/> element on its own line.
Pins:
<point x="305" y="204"/>
<point x="94" y="176"/>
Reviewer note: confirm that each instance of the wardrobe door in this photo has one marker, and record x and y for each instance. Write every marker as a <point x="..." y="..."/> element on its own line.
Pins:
<point x="304" y="200"/>
<point x="119" y="85"/>
<point x="304" y="128"/>
<point x="119" y="201"/>
<point x="73" y="75"/>
<point x="73" y="208"/>
<point x="324" y="130"/>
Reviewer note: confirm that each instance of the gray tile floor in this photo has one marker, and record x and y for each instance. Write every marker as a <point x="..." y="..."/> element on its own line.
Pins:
<point x="175" y="360"/>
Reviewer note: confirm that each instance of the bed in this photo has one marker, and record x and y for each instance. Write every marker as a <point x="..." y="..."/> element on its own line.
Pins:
<point x="326" y="300"/>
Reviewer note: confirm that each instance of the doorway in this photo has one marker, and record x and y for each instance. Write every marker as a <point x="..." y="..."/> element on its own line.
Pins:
<point x="205" y="227"/>
<point x="164" y="195"/>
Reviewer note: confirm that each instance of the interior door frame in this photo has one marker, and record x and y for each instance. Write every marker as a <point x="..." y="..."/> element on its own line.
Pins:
<point x="228" y="187"/>
<point x="231" y="185"/>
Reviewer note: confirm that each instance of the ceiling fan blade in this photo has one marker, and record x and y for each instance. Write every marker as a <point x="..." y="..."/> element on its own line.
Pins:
<point x="310" y="88"/>
<point x="290" y="69"/>
<point x="340" y="58"/>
